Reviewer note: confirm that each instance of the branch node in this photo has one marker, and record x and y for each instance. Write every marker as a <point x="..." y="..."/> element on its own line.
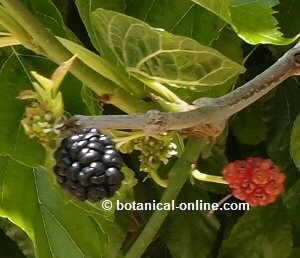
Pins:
<point x="297" y="63"/>
<point x="204" y="102"/>
<point x="155" y="122"/>
<point x="297" y="58"/>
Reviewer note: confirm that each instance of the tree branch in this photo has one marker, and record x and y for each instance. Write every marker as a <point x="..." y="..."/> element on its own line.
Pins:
<point x="205" y="111"/>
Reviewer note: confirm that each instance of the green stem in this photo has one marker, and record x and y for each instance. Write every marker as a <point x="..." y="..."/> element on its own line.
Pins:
<point x="163" y="91"/>
<point x="170" y="106"/>
<point x="178" y="177"/>
<point x="208" y="178"/>
<point x="58" y="53"/>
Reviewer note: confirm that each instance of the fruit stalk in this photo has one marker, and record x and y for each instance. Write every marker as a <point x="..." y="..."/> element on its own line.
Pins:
<point x="208" y="178"/>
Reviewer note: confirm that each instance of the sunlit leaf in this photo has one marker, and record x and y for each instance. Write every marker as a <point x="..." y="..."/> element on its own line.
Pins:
<point x="252" y="20"/>
<point x="161" y="56"/>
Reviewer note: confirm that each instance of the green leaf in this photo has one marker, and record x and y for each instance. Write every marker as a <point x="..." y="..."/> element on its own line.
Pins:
<point x="191" y="20"/>
<point x="230" y="45"/>
<point x="291" y="201"/>
<point x="295" y="142"/>
<point x="249" y="128"/>
<point x="218" y="7"/>
<point x="190" y="234"/>
<point x="186" y="19"/>
<point x="86" y="7"/>
<point x="51" y="18"/>
<point x="99" y="64"/>
<point x="285" y="108"/>
<point x="91" y="101"/>
<point x="57" y="228"/>
<point x="290" y="9"/>
<point x="13" y="141"/>
<point x="295" y="253"/>
<point x="161" y="56"/>
<point x="252" y="20"/>
<point x="261" y="232"/>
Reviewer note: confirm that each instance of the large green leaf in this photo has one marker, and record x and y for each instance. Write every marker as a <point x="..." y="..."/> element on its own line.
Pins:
<point x="230" y="45"/>
<point x="252" y="20"/>
<point x="261" y="232"/>
<point x="50" y="17"/>
<point x="290" y="9"/>
<point x="186" y="19"/>
<point x="13" y="141"/>
<point x="99" y="64"/>
<point x="190" y="20"/>
<point x="218" y="7"/>
<point x="295" y="253"/>
<point x="94" y="61"/>
<point x="161" y="56"/>
<point x="57" y="228"/>
<point x="291" y="200"/>
<point x="285" y="109"/>
<point x="248" y="127"/>
<point x="86" y="7"/>
<point x="190" y="235"/>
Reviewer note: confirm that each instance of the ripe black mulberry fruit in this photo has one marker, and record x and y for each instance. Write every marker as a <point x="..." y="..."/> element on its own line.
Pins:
<point x="88" y="165"/>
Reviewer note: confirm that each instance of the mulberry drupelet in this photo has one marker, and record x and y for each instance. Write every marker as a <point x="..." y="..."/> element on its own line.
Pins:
<point x="88" y="165"/>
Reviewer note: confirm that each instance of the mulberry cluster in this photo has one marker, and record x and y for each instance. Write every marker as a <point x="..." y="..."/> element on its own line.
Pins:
<point x="88" y="165"/>
<point x="257" y="181"/>
<point x="42" y="125"/>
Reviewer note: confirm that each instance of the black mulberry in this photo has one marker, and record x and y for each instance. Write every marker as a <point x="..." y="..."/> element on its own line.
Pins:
<point x="88" y="165"/>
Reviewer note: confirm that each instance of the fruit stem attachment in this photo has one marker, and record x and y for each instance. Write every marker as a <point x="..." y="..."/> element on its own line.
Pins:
<point x="178" y="177"/>
<point x="208" y="178"/>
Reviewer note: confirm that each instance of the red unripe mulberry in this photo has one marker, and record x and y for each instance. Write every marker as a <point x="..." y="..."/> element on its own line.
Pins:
<point x="255" y="180"/>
